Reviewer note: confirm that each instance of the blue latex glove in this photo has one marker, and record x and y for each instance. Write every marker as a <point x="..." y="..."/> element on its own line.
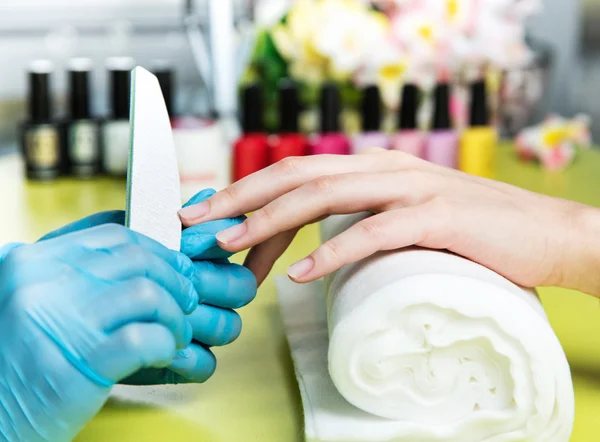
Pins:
<point x="79" y="313"/>
<point x="221" y="286"/>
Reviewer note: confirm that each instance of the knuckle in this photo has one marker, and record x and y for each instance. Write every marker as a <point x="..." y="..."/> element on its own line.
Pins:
<point x="147" y="292"/>
<point x="440" y="206"/>
<point x="265" y="214"/>
<point x="331" y="251"/>
<point x="230" y="193"/>
<point x="326" y="184"/>
<point x="133" y="336"/>
<point x="401" y="158"/>
<point x="289" y="165"/>
<point x="371" y="228"/>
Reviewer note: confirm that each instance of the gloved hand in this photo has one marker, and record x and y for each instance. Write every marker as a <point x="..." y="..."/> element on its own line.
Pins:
<point x="221" y="286"/>
<point x="79" y="313"/>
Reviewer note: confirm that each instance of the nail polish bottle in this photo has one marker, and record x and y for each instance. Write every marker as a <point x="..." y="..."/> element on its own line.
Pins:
<point x="115" y="130"/>
<point x="289" y="142"/>
<point x="82" y="131"/>
<point x="40" y="138"/>
<point x="331" y="140"/>
<point x="250" y="151"/>
<point x="409" y="138"/>
<point x="479" y="140"/>
<point x="371" y="135"/>
<point x="442" y="143"/>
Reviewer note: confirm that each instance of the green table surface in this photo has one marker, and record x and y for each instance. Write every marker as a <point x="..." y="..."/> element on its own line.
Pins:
<point x="253" y="396"/>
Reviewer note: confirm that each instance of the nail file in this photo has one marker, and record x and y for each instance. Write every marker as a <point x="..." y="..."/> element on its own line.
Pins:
<point x="153" y="189"/>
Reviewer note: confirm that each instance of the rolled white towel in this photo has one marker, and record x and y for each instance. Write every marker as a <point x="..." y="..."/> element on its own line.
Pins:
<point x="443" y="348"/>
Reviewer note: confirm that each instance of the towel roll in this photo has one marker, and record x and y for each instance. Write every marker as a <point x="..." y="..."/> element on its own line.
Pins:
<point x="450" y="348"/>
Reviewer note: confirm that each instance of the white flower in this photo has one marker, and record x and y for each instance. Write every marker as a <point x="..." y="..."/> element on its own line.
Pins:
<point x="386" y="67"/>
<point x="349" y="31"/>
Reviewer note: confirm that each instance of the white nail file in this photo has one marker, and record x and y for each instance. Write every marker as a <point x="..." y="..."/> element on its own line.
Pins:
<point x="153" y="189"/>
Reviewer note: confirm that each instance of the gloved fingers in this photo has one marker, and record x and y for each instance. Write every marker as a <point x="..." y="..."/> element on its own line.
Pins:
<point x="224" y="285"/>
<point x="97" y="219"/>
<point x="72" y="246"/>
<point x="139" y="300"/>
<point x="215" y="326"/>
<point x="131" y="261"/>
<point x="262" y="257"/>
<point x="154" y="376"/>
<point x="201" y="196"/>
<point x="131" y="348"/>
<point x="195" y="364"/>
<point x="199" y="241"/>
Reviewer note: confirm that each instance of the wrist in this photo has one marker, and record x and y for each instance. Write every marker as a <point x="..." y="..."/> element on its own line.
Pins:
<point x="578" y="266"/>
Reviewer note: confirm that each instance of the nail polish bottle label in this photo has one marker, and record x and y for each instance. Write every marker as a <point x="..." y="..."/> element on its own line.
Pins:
<point x="116" y="147"/>
<point x="42" y="151"/>
<point x="83" y="147"/>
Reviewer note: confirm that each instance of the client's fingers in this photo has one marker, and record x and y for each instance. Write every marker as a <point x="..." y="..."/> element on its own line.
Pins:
<point x="251" y="193"/>
<point x="386" y="231"/>
<point x="334" y="194"/>
<point x="262" y="256"/>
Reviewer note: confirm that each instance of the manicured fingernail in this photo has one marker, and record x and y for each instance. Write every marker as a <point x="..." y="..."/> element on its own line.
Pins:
<point x="301" y="268"/>
<point x="232" y="234"/>
<point x="194" y="212"/>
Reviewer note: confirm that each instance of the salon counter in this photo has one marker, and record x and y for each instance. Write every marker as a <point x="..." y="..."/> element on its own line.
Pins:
<point x="253" y="396"/>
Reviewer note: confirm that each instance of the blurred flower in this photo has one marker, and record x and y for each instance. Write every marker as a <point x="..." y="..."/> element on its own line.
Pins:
<point x="350" y="31"/>
<point x="554" y="141"/>
<point x="421" y="39"/>
<point x="386" y="67"/>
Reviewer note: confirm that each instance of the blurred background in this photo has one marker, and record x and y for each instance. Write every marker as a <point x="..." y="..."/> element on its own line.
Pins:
<point x="61" y="86"/>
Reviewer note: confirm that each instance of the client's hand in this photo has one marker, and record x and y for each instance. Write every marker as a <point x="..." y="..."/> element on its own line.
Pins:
<point x="529" y="238"/>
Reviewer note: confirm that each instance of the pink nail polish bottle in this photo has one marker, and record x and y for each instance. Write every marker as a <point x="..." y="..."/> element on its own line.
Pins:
<point x="371" y="136"/>
<point x="409" y="138"/>
<point x="442" y="143"/>
<point x="331" y="140"/>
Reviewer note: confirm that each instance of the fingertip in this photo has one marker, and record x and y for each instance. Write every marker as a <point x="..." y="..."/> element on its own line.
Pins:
<point x="300" y="270"/>
<point x="228" y="237"/>
<point x="193" y="214"/>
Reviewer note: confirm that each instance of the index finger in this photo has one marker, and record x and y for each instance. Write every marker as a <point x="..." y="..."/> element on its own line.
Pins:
<point x="260" y="188"/>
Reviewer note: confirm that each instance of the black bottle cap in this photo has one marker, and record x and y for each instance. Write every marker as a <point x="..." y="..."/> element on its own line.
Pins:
<point x="40" y="97"/>
<point x="252" y="109"/>
<point x="79" y="88"/>
<point x="120" y="82"/>
<point x="479" y="110"/>
<point x="166" y="78"/>
<point x="330" y="108"/>
<point x="407" y="117"/>
<point x="371" y="109"/>
<point x="441" y="111"/>
<point x="289" y="106"/>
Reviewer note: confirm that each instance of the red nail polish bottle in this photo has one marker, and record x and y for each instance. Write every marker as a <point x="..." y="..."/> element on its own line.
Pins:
<point x="251" y="149"/>
<point x="289" y="142"/>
